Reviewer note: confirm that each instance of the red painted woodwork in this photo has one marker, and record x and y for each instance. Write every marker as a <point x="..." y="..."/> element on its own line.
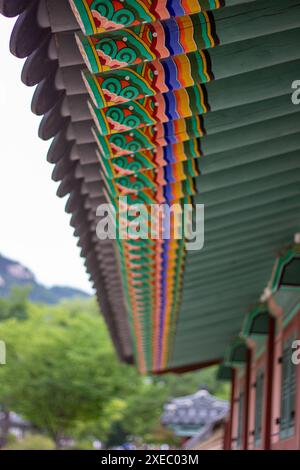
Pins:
<point x="268" y="390"/>
<point x="232" y="397"/>
<point x="275" y="427"/>
<point x="226" y="437"/>
<point x="271" y="363"/>
<point x="238" y="388"/>
<point x="247" y="399"/>
<point x="252" y="405"/>
<point x="257" y="365"/>
<point x="292" y="443"/>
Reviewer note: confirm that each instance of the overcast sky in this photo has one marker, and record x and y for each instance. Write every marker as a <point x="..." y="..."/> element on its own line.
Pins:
<point x="34" y="229"/>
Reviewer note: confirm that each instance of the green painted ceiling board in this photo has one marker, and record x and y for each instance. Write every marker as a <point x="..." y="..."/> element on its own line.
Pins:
<point x="256" y="53"/>
<point x="238" y="218"/>
<point x="250" y="87"/>
<point x="244" y="115"/>
<point x="232" y="281"/>
<point x="261" y="226"/>
<point x="234" y="274"/>
<point x="223" y="267"/>
<point x="251" y="242"/>
<point x="209" y="332"/>
<point x="264" y="17"/>
<point x="250" y="172"/>
<point x="275" y="128"/>
<point x="251" y="202"/>
<point x="237" y="253"/>
<point x="219" y="196"/>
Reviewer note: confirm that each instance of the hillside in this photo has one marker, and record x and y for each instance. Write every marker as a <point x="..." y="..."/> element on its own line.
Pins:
<point x="13" y="273"/>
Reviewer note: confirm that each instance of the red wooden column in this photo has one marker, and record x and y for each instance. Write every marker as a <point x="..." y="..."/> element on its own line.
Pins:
<point x="268" y="395"/>
<point x="247" y="399"/>
<point x="231" y="412"/>
<point x="226" y="436"/>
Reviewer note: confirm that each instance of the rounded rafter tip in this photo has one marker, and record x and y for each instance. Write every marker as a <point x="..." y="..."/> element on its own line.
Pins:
<point x="63" y="168"/>
<point x="11" y="8"/>
<point x="27" y="35"/>
<point x="59" y="147"/>
<point x="45" y="96"/>
<point x="52" y="121"/>
<point x="65" y="186"/>
<point x="38" y="65"/>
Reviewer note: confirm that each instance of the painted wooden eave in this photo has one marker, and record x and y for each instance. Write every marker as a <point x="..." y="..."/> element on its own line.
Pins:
<point x="249" y="165"/>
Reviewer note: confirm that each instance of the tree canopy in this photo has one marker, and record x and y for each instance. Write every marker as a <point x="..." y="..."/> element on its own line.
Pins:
<point x="63" y="376"/>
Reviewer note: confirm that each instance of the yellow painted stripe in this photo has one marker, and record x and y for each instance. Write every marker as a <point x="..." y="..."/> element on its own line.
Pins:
<point x="209" y="31"/>
<point x="88" y="10"/>
<point x="93" y="49"/>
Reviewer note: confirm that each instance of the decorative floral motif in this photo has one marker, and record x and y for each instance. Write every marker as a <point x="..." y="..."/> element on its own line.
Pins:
<point x="160" y="108"/>
<point x="148" y="79"/>
<point x="97" y="16"/>
<point x="151" y="137"/>
<point x="165" y="171"/>
<point x="135" y="184"/>
<point x="147" y="42"/>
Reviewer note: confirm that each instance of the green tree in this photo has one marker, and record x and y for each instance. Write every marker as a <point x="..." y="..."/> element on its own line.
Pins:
<point x="190" y="382"/>
<point x="63" y="376"/>
<point x="16" y="305"/>
<point x="140" y="417"/>
<point x="61" y="368"/>
<point x="142" y="413"/>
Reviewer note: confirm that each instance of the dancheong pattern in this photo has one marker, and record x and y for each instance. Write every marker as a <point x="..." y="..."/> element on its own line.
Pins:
<point x="148" y="79"/>
<point x="97" y="16"/>
<point x="147" y="66"/>
<point x="152" y="110"/>
<point x="147" y="42"/>
<point x="150" y="137"/>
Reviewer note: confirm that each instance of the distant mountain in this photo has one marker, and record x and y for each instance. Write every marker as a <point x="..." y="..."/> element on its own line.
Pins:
<point x="13" y="273"/>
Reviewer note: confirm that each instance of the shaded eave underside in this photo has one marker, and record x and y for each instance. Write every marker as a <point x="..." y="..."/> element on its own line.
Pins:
<point x="249" y="178"/>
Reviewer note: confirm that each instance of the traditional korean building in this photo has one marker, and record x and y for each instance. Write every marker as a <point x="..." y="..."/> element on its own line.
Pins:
<point x="196" y="418"/>
<point x="186" y="102"/>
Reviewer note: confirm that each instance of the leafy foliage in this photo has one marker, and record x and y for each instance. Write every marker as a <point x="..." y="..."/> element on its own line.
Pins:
<point x="63" y="376"/>
<point x="61" y="368"/>
<point x="16" y="305"/>
<point x="190" y="382"/>
<point x="33" y="442"/>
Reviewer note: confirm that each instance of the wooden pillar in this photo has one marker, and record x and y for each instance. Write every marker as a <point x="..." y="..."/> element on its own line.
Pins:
<point x="247" y="399"/>
<point x="231" y="411"/>
<point x="268" y="395"/>
<point x="226" y="435"/>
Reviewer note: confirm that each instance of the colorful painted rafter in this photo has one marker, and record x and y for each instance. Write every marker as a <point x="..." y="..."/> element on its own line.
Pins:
<point x="97" y="16"/>
<point x="147" y="65"/>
